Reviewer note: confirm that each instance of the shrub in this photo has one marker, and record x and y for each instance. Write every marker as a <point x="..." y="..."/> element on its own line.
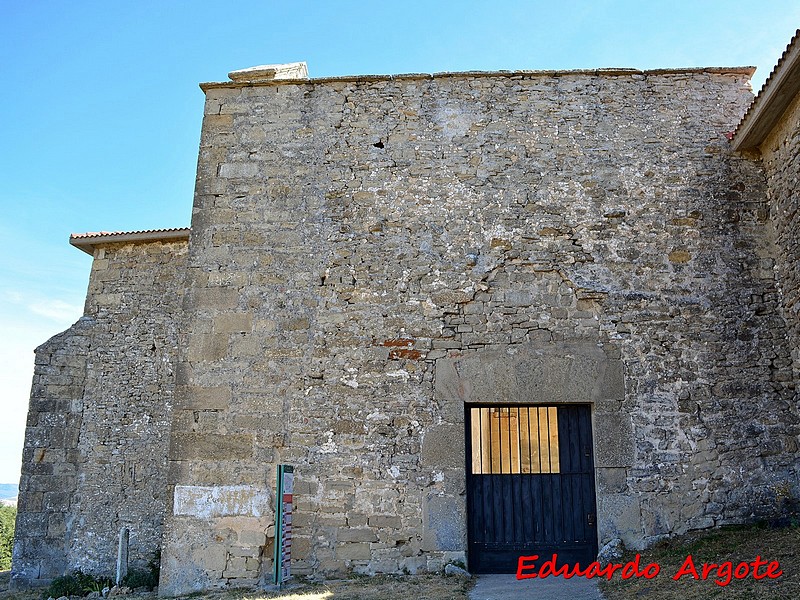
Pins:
<point x="144" y="577"/>
<point x="77" y="584"/>
<point x="66" y="585"/>
<point x="140" y="578"/>
<point x="8" y="515"/>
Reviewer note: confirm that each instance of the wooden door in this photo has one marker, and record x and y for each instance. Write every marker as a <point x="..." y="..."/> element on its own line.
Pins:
<point x="530" y="485"/>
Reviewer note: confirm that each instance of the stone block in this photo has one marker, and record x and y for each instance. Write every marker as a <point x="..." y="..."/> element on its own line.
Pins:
<point x="56" y="501"/>
<point x="443" y="446"/>
<point x="353" y="551"/>
<point x="611" y="480"/>
<point x="187" y="446"/>
<point x="356" y="535"/>
<point x="207" y="347"/>
<point x="444" y="523"/>
<point x="233" y="323"/>
<point x="613" y="381"/>
<point x="217" y="298"/>
<point x="541" y="373"/>
<point x="56" y="525"/>
<point x="664" y="515"/>
<point x="218" y="122"/>
<point x="251" y="537"/>
<point x="614" y="442"/>
<point x="389" y="521"/>
<point x="413" y="565"/>
<point x="107" y="300"/>
<point x="518" y="298"/>
<point x="301" y="548"/>
<point x="246" y="346"/>
<point x="385" y="564"/>
<point x="236" y="567"/>
<point x="30" y="502"/>
<point x="620" y="516"/>
<point x="238" y="170"/>
<point x="203" y="398"/>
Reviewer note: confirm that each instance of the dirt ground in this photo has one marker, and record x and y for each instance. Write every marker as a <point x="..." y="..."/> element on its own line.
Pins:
<point x="5" y="576"/>
<point x="420" y="587"/>
<point x="736" y="544"/>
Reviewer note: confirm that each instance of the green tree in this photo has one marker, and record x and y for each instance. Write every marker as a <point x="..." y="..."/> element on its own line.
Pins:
<point x="8" y="515"/>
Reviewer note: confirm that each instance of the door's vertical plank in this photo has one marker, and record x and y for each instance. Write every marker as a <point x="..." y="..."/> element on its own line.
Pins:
<point x="516" y="492"/>
<point x="589" y="498"/>
<point x="578" y="520"/>
<point x="566" y="457"/>
<point x="508" y="481"/>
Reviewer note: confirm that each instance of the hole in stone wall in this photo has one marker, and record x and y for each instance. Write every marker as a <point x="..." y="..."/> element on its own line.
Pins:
<point x="378" y="144"/>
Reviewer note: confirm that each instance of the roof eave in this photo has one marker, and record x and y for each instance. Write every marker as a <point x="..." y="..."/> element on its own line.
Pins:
<point x="775" y="96"/>
<point x="87" y="243"/>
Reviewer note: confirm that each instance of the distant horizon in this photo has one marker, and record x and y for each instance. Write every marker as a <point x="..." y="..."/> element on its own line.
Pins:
<point x="6" y="488"/>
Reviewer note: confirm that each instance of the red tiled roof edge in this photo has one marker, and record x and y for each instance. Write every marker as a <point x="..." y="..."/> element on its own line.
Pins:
<point x="87" y="241"/>
<point x="94" y="234"/>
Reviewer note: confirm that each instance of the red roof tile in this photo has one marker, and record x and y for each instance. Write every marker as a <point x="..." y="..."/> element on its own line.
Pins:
<point x="87" y="241"/>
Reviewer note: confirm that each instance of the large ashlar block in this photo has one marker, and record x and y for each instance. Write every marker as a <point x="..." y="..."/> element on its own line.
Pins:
<point x="216" y="298"/>
<point x="208" y="347"/>
<point x="444" y="523"/>
<point x="233" y="323"/>
<point x="238" y="170"/>
<point x="219" y="446"/>
<point x="353" y="551"/>
<point x="192" y="569"/>
<point x="212" y="558"/>
<point x="351" y="534"/>
<point x="620" y="516"/>
<point x="611" y="480"/>
<point x="203" y="398"/>
<point x="252" y="538"/>
<point x="532" y="374"/>
<point x="614" y="443"/>
<point x="443" y="446"/>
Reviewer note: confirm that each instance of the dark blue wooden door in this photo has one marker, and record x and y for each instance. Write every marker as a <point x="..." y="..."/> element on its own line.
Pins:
<point x="530" y="485"/>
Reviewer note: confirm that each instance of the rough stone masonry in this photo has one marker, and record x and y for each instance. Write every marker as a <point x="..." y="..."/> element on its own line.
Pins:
<point x="95" y="456"/>
<point x="368" y="256"/>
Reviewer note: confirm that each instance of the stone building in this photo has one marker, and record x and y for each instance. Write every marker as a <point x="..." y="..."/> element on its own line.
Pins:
<point x="482" y="314"/>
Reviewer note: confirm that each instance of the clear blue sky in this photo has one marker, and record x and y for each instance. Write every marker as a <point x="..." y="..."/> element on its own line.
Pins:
<point x="101" y="112"/>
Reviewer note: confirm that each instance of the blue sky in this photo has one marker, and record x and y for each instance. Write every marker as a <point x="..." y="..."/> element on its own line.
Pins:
<point x="101" y="111"/>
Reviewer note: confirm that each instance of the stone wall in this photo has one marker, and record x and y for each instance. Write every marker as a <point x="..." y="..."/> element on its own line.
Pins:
<point x="97" y="437"/>
<point x="356" y="241"/>
<point x="781" y="156"/>
<point x="50" y="458"/>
